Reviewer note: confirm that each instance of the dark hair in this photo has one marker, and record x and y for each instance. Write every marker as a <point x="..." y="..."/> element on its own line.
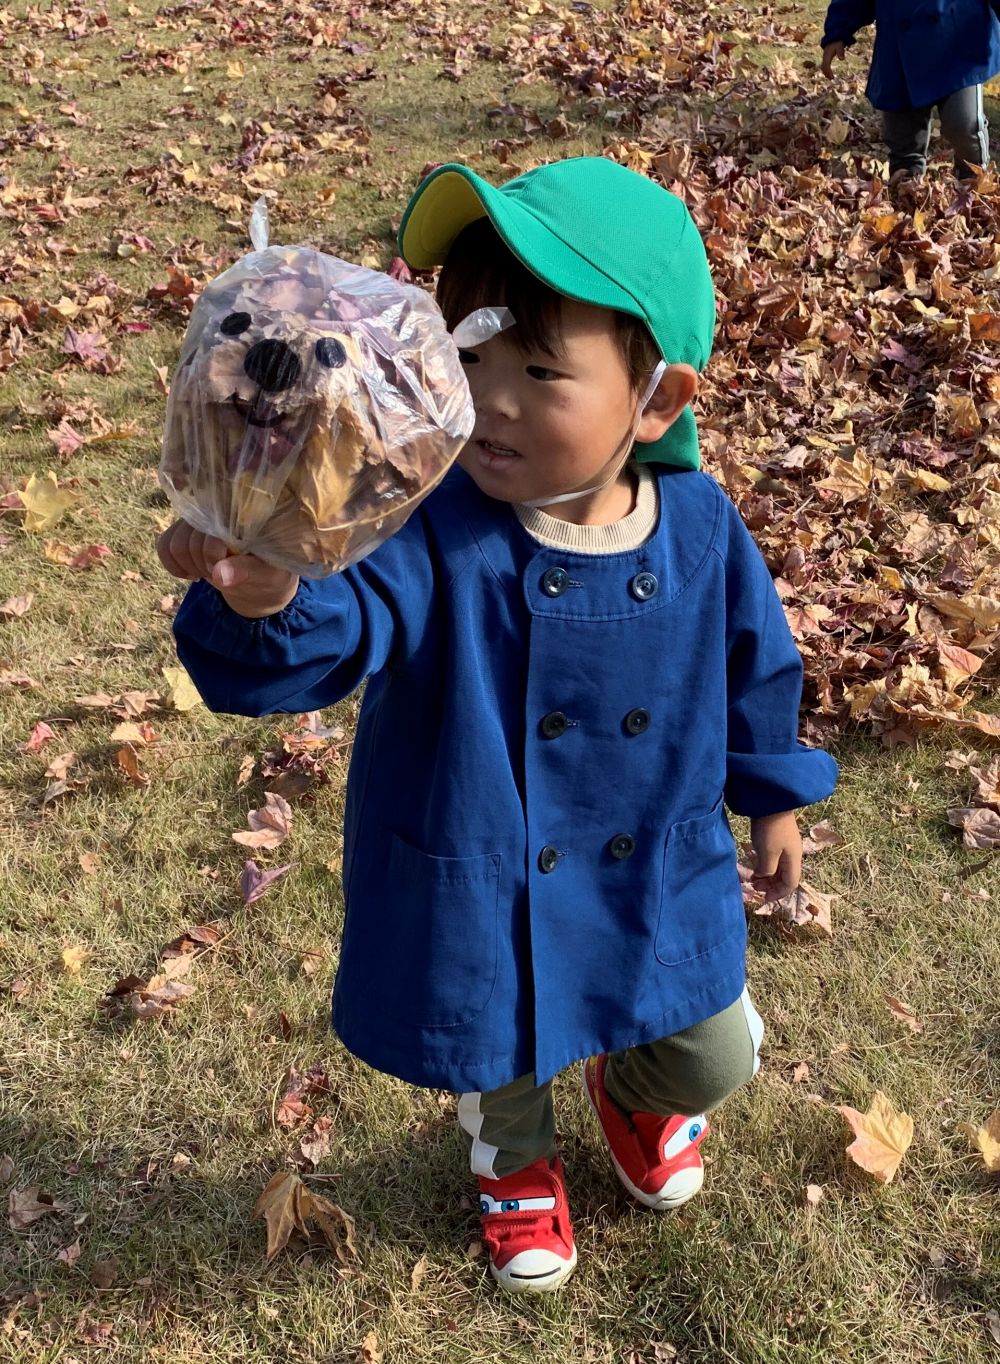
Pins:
<point x="481" y="270"/>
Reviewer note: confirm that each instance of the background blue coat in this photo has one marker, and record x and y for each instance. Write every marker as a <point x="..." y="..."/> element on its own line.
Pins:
<point x="537" y="864"/>
<point x="924" y="49"/>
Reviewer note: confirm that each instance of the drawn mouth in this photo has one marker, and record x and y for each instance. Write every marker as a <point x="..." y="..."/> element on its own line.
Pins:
<point x="257" y="413"/>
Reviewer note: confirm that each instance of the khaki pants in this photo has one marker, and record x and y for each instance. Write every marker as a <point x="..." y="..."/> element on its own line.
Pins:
<point x="508" y="1129"/>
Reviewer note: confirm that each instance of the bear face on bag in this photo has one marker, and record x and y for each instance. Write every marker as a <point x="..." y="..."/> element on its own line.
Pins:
<point x="314" y="405"/>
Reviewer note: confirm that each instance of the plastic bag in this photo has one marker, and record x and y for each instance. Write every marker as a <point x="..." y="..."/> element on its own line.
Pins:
<point x="315" y="404"/>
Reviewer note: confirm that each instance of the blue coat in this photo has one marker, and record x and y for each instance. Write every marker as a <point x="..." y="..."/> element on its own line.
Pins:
<point x="537" y="864"/>
<point x="924" y="49"/>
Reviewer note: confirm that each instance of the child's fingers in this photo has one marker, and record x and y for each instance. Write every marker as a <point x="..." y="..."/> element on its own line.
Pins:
<point x="250" y="574"/>
<point x="173" y="547"/>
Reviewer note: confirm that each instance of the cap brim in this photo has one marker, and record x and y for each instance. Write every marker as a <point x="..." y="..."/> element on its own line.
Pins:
<point x="453" y="196"/>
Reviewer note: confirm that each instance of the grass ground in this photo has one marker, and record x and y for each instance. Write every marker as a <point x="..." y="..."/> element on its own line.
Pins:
<point x="158" y="1135"/>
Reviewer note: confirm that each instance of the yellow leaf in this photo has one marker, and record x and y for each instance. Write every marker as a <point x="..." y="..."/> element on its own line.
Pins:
<point x="73" y="959"/>
<point x="181" y="693"/>
<point x="986" y="1140"/>
<point x="837" y="130"/>
<point x="235" y="70"/>
<point x="45" y="502"/>
<point x="851" y="479"/>
<point x="926" y="481"/>
<point x="881" y="1137"/>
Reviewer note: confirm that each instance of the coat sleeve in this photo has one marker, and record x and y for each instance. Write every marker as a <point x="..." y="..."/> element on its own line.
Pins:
<point x="767" y="769"/>
<point x="334" y="633"/>
<point x="844" y="18"/>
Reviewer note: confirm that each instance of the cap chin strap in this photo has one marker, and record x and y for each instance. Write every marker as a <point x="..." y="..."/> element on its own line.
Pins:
<point x="627" y="441"/>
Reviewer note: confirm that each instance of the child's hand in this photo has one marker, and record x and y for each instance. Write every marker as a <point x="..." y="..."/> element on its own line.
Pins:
<point x="831" y="53"/>
<point x="251" y="587"/>
<point x="778" y="844"/>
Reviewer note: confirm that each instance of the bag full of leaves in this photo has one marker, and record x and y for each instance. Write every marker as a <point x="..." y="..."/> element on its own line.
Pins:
<point x="315" y="404"/>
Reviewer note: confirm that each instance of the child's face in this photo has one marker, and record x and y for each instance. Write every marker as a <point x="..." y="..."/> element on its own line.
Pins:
<point x="549" y="424"/>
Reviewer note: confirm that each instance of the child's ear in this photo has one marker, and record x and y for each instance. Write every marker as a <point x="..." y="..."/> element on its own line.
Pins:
<point x="668" y="400"/>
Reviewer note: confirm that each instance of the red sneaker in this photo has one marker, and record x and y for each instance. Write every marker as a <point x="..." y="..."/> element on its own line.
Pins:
<point x="527" y="1229"/>
<point x="656" y="1158"/>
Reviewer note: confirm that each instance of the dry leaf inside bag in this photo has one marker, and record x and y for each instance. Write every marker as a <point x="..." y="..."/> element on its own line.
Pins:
<point x="314" y="406"/>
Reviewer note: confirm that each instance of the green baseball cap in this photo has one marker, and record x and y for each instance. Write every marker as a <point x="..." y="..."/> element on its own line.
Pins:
<point x="594" y="231"/>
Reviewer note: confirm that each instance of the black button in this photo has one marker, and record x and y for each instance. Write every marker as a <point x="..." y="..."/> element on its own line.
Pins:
<point x="554" y="724"/>
<point x="548" y="858"/>
<point x="622" y="846"/>
<point x="637" y="721"/>
<point x="555" y="582"/>
<point x="644" y="586"/>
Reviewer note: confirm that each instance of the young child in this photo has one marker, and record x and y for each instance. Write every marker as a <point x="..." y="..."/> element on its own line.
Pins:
<point x="928" y="53"/>
<point x="572" y="662"/>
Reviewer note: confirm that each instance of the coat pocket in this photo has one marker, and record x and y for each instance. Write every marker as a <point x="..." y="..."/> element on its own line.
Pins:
<point x="431" y="944"/>
<point x="701" y="904"/>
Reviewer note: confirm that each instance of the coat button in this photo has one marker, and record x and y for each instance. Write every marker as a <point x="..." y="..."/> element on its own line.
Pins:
<point x="555" y="582"/>
<point x="644" y="586"/>
<point x="554" y="724"/>
<point x="637" y="721"/>
<point x="622" y="846"/>
<point x="548" y="858"/>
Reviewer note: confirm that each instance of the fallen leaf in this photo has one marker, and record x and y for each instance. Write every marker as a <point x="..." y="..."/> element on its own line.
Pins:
<point x="310" y="960"/>
<point x="369" y="1352"/>
<point x="104" y="1273"/>
<point x="418" y="1273"/>
<point x="89" y="863"/>
<point x="6" y="1169"/>
<point x="74" y="556"/>
<point x="801" y="1073"/>
<point x="15" y="607"/>
<point x="254" y="882"/>
<point x="11" y="677"/>
<point x="269" y="826"/>
<point x="986" y="1140"/>
<point x="45" y="502"/>
<point x="181" y="693"/>
<point x="70" y="1254"/>
<point x="803" y="907"/>
<point x="287" y="1207"/>
<point x="247" y="765"/>
<point x="881" y="1137"/>
<point x="26" y="1206"/>
<point x="40" y="735"/>
<point x="980" y="826"/>
<point x="127" y="761"/>
<point x="72" y="959"/>
<point x="60" y="765"/>
<point x="820" y="837"/>
<point x="315" y="1145"/>
<point x="813" y="1193"/>
<point x="904" y="1013"/>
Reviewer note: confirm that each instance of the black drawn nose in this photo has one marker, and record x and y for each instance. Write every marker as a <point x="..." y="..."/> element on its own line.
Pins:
<point x="273" y="365"/>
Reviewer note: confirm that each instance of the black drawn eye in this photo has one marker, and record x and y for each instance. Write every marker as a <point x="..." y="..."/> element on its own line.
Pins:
<point x="330" y="353"/>
<point x="234" y="324"/>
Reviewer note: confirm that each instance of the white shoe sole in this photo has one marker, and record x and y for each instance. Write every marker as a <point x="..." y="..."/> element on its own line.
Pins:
<point x="678" y="1188"/>
<point x="534" y="1271"/>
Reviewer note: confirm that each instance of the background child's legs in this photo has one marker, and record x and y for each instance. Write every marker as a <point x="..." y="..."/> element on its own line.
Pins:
<point x="964" y="127"/>
<point x="508" y="1129"/>
<point x="692" y="1071"/>
<point x="907" y="133"/>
